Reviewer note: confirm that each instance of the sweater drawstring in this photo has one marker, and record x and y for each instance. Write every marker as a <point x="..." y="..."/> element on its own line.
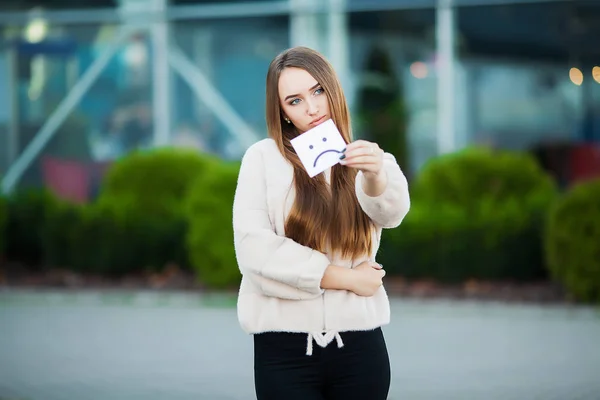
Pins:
<point x="322" y="339"/>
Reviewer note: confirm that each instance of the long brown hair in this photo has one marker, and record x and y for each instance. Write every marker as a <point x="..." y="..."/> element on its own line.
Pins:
<point x="320" y="218"/>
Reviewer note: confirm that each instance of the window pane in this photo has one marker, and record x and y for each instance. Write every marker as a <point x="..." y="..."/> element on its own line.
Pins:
<point x="517" y="61"/>
<point x="396" y="50"/>
<point x="114" y="115"/>
<point x="234" y="56"/>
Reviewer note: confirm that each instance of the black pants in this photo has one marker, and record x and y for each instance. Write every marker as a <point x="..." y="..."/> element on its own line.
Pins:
<point x="359" y="370"/>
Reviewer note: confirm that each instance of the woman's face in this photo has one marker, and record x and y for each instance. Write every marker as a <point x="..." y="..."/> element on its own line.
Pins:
<point x="302" y="99"/>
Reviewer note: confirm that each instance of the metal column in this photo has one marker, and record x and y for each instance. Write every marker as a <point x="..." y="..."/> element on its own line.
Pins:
<point x="338" y="39"/>
<point x="446" y="60"/>
<point x="13" y="143"/>
<point x="161" y="75"/>
<point x="305" y="28"/>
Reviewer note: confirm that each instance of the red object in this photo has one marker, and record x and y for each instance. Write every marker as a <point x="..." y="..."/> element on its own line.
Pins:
<point x="584" y="162"/>
<point x="69" y="180"/>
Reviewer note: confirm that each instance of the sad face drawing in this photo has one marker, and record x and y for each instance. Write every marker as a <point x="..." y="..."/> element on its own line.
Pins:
<point x="323" y="152"/>
<point x="319" y="148"/>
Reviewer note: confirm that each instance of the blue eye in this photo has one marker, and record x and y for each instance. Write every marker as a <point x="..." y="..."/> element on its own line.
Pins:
<point x="319" y="91"/>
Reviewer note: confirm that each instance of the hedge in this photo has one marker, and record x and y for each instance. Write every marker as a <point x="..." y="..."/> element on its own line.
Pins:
<point x="3" y="221"/>
<point x="446" y="244"/>
<point x="572" y="241"/>
<point x="112" y="238"/>
<point x="137" y="223"/>
<point x="155" y="180"/>
<point x="209" y="211"/>
<point x="144" y="195"/>
<point x="475" y="214"/>
<point x="466" y="177"/>
<point x="28" y="211"/>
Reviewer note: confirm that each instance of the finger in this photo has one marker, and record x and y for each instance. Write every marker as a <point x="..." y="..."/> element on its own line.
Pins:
<point x="373" y="168"/>
<point x="358" y="144"/>
<point x="374" y="154"/>
<point x="376" y="265"/>
<point x="360" y="148"/>
<point x="363" y="144"/>
<point x="370" y="166"/>
<point x="365" y="170"/>
<point x="359" y="160"/>
<point x="358" y="151"/>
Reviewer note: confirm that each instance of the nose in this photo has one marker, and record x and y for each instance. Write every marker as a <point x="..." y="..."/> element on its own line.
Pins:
<point x="312" y="107"/>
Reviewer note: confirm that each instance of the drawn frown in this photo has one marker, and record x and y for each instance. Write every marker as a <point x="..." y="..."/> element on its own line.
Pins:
<point x="311" y="147"/>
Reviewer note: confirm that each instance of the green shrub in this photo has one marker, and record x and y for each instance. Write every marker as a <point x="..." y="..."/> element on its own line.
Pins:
<point x="475" y="214"/>
<point x="27" y="214"/>
<point x="444" y="243"/>
<point x="58" y="235"/>
<point x="465" y="177"/>
<point x="3" y="221"/>
<point x="210" y="236"/>
<point x="142" y="196"/>
<point x="157" y="180"/>
<point x="572" y="241"/>
<point x="113" y="238"/>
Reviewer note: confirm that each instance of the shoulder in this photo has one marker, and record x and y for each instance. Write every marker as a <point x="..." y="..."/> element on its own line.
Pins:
<point x="263" y="150"/>
<point x="264" y="159"/>
<point x="260" y="147"/>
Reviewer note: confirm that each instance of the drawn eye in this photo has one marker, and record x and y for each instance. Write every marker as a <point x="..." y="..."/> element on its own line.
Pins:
<point x="310" y="147"/>
<point x="324" y="139"/>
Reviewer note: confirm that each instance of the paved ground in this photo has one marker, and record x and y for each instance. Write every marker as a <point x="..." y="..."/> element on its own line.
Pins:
<point x="115" y="346"/>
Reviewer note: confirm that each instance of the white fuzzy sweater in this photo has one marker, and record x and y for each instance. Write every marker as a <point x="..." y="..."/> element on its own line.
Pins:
<point x="280" y="288"/>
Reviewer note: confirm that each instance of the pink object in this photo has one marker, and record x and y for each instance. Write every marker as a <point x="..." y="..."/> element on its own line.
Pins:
<point x="584" y="162"/>
<point x="69" y="180"/>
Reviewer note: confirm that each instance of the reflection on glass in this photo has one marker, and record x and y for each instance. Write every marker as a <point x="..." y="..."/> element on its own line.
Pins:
<point x="392" y="59"/>
<point x="234" y="56"/>
<point x="114" y="115"/>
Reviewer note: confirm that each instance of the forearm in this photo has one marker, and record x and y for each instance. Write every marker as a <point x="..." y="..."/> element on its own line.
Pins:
<point x="272" y="288"/>
<point x="385" y="199"/>
<point x="338" y="278"/>
<point x="335" y="277"/>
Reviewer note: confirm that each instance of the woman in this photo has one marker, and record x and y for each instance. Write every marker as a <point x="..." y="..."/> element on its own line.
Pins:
<point x="306" y="246"/>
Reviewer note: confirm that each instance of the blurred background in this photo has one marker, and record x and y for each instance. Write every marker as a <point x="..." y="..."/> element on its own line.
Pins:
<point x="122" y="124"/>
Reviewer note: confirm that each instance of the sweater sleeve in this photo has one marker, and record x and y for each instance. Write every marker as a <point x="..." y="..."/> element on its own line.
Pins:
<point x="390" y="207"/>
<point x="278" y="266"/>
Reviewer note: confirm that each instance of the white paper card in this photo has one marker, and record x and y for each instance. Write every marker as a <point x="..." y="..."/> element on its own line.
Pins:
<point x="319" y="148"/>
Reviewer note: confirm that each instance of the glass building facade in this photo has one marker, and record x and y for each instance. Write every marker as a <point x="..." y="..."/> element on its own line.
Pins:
<point x="87" y="85"/>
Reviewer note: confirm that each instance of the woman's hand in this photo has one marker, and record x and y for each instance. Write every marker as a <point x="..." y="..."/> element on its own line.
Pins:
<point x="368" y="158"/>
<point x="367" y="278"/>
<point x="364" y="156"/>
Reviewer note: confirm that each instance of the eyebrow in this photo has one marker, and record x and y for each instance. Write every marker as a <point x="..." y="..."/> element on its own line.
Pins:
<point x="296" y="95"/>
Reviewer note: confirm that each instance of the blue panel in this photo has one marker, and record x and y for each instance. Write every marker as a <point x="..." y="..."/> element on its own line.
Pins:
<point x="47" y="47"/>
<point x="4" y="91"/>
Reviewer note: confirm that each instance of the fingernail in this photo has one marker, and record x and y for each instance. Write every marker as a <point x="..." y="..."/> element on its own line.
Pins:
<point x="344" y="150"/>
<point x="342" y="156"/>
